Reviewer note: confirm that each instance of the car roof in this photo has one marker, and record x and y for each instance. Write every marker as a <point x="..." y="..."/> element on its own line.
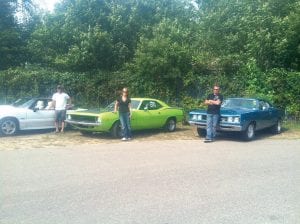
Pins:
<point x="247" y="98"/>
<point x="141" y="98"/>
<point x="242" y="98"/>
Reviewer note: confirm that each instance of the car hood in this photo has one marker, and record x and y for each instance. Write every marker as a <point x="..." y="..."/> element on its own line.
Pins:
<point x="8" y="110"/>
<point x="226" y="111"/>
<point x="88" y="112"/>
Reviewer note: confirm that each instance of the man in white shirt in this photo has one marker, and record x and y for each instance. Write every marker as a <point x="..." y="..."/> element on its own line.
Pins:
<point x="60" y="102"/>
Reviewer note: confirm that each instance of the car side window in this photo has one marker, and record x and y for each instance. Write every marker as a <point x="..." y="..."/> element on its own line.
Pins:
<point x="263" y="105"/>
<point x="144" y="105"/>
<point x="40" y="104"/>
<point x="150" y="105"/>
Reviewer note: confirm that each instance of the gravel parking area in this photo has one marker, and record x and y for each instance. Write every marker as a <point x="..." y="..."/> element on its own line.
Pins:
<point x="47" y="138"/>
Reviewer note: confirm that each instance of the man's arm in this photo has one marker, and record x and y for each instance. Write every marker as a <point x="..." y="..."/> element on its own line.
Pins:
<point x="216" y="102"/>
<point x="207" y="101"/>
<point x="53" y="101"/>
<point x="69" y="101"/>
<point x="129" y="107"/>
<point x="212" y="102"/>
<point x="116" y="106"/>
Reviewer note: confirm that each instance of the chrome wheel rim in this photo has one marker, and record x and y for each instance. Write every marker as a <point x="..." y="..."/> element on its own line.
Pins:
<point x="8" y="127"/>
<point x="250" y="131"/>
<point x="172" y="125"/>
<point x="278" y="126"/>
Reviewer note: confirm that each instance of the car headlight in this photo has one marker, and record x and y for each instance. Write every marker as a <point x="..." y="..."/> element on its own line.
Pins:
<point x="69" y="117"/>
<point x="233" y="120"/>
<point x="199" y="117"/>
<point x="99" y="120"/>
<point x="236" y="120"/>
<point x="194" y="117"/>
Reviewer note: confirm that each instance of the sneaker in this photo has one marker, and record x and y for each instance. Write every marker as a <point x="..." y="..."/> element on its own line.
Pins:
<point x="208" y="140"/>
<point x="124" y="139"/>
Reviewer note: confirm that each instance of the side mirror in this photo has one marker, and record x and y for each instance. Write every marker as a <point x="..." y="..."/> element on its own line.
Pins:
<point x="35" y="109"/>
<point x="146" y="108"/>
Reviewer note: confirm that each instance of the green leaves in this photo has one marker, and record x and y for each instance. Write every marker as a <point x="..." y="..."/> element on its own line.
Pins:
<point x="170" y="49"/>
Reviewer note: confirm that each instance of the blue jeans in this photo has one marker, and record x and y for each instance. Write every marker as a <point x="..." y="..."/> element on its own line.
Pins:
<point x="125" y="123"/>
<point x="212" y="121"/>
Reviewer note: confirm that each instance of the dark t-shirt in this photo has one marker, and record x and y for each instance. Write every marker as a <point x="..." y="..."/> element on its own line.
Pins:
<point x="123" y="105"/>
<point x="214" y="109"/>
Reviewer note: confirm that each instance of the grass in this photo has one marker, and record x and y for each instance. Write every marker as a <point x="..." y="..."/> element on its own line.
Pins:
<point x="291" y="125"/>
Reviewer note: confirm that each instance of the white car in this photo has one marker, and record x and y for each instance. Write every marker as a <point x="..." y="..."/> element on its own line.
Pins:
<point x="26" y="115"/>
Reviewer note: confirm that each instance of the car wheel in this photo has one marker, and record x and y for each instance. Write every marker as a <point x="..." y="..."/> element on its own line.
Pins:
<point x="201" y="132"/>
<point x="249" y="133"/>
<point x="8" y="126"/>
<point x="170" y="125"/>
<point x="116" y="130"/>
<point x="276" y="129"/>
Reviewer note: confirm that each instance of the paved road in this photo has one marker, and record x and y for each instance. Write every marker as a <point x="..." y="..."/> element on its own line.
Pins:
<point x="159" y="182"/>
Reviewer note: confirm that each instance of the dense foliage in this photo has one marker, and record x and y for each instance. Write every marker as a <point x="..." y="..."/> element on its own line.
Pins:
<point x="169" y="49"/>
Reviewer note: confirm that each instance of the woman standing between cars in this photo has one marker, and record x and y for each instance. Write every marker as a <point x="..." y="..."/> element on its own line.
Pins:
<point x="123" y="105"/>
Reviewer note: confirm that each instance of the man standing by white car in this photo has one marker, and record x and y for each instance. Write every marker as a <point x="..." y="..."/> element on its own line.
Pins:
<point x="60" y="102"/>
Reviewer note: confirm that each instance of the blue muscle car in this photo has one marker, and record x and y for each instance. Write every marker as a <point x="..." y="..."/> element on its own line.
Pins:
<point x="244" y="115"/>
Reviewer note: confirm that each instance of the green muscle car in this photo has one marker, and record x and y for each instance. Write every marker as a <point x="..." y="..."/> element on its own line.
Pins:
<point x="146" y="114"/>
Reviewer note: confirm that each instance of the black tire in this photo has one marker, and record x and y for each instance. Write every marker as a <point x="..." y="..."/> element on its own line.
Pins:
<point x="9" y="127"/>
<point x="116" y="130"/>
<point x="276" y="129"/>
<point x="249" y="133"/>
<point x="170" y="125"/>
<point x="201" y="132"/>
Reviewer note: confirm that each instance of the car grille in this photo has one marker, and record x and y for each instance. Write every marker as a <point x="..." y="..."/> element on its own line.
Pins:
<point x="198" y="117"/>
<point x="81" y="118"/>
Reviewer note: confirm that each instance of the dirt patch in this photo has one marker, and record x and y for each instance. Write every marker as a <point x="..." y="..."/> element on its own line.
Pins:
<point x="46" y="139"/>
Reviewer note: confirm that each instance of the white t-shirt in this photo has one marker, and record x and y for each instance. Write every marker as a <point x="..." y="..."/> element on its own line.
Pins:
<point x="61" y="100"/>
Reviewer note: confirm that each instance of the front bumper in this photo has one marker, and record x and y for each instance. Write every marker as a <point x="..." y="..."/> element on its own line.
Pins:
<point x="83" y="123"/>
<point x="221" y="127"/>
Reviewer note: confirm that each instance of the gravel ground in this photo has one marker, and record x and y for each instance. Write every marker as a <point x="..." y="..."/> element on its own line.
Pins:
<point x="47" y="138"/>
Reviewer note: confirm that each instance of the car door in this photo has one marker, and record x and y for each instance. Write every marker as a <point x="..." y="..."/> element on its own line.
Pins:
<point x="264" y="118"/>
<point x="38" y="117"/>
<point x="147" y="116"/>
<point x="274" y="116"/>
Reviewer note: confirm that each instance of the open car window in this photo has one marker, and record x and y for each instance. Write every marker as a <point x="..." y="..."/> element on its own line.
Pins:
<point x="264" y="105"/>
<point x="150" y="105"/>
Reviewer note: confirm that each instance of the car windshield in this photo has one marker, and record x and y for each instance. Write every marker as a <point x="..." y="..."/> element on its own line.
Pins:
<point x="23" y="103"/>
<point x="134" y="105"/>
<point x="250" y="104"/>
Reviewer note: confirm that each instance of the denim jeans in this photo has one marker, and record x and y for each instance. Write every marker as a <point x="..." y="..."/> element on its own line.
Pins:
<point x="212" y="121"/>
<point x="125" y="123"/>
